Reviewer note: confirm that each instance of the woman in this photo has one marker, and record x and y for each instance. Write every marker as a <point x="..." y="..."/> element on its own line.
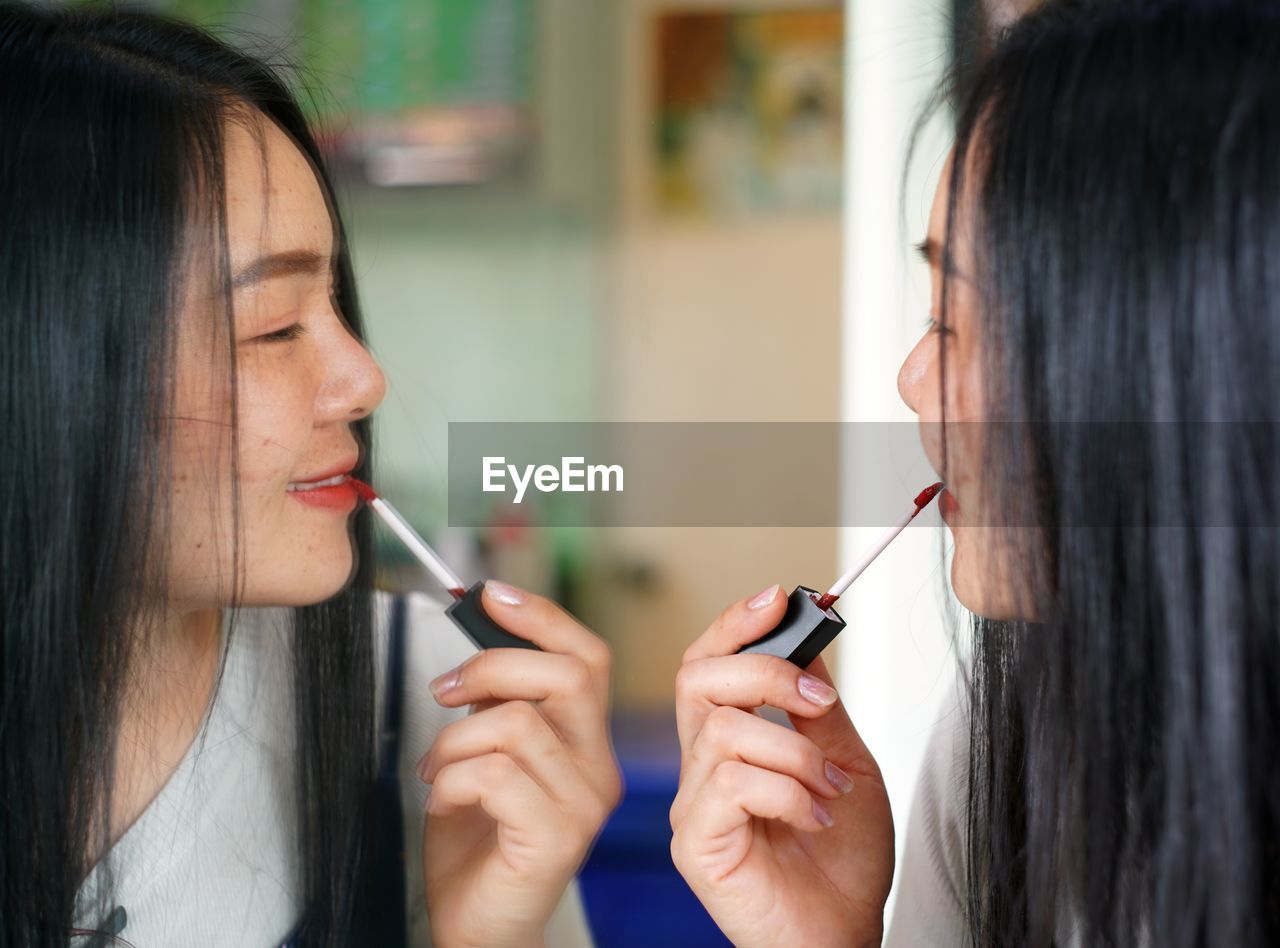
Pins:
<point x="192" y="647"/>
<point x="1102" y="362"/>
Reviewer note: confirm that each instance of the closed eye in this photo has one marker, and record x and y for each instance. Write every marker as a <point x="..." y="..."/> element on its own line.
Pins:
<point x="285" y="334"/>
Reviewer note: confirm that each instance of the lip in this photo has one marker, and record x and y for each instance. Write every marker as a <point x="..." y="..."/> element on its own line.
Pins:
<point x="343" y="467"/>
<point x="948" y="506"/>
<point x="342" y="497"/>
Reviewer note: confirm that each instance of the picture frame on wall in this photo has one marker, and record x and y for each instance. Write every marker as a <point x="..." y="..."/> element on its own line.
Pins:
<point x="748" y="110"/>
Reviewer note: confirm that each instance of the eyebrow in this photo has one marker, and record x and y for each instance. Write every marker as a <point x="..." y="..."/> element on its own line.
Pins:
<point x="286" y="263"/>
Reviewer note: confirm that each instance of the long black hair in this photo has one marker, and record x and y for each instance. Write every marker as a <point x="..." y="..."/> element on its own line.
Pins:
<point x="1122" y="163"/>
<point x="111" y="169"/>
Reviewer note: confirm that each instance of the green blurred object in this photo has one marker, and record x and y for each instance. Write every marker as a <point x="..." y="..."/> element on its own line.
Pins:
<point x="383" y="56"/>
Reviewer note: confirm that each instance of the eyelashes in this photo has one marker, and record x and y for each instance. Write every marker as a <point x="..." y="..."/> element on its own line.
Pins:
<point x="285" y="334"/>
<point x="932" y="325"/>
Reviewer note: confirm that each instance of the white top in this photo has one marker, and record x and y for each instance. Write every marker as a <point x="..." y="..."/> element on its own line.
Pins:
<point x="930" y="908"/>
<point x="211" y="860"/>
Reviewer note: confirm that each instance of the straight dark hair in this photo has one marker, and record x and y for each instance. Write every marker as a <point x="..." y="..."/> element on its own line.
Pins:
<point x="1122" y="163"/>
<point x="111" y="171"/>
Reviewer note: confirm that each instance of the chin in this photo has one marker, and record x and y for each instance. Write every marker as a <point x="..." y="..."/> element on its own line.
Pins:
<point x="971" y="572"/>
<point x="324" y="585"/>
<point x="961" y="583"/>
<point x="307" y="582"/>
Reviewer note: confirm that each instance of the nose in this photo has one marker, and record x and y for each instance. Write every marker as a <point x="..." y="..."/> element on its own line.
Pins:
<point x="912" y="372"/>
<point x="354" y="385"/>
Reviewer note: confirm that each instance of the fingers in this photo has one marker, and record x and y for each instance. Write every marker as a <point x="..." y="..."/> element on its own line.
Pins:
<point x="745" y="681"/>
<point x="546" y="625"/>
<point x="740" y="624"/>
<point x="510" y="797"/>
<point x="835" y="734"/>
<point x="731" y="734"/>
<point x="511" y="673"/>
<point x="571" y="695"/>
<point x="516" y="729"/>
<point x="734" y="794"/>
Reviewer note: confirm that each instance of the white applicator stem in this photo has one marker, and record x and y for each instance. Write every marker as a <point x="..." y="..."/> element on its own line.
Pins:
<point x="846" y="579"/>
<point x="409" y="536"/>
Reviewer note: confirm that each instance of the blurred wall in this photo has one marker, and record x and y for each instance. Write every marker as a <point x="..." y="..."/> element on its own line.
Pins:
<point x="899" y="662"/>
<point x="484" y="303"/>
<point x="709" y="321"/>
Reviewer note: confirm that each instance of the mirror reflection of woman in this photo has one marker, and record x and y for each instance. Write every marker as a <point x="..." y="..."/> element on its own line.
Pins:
<point x="1103" y="250"/>
<point x="193" y="650"/>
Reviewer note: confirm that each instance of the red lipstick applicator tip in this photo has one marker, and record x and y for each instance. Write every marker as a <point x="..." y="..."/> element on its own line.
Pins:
<point x="363" y="489"/>
<point x="926" y="495"/>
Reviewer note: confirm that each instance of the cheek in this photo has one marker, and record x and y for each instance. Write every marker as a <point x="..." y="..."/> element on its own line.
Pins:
<point x="201" y="447"/>
<point x="201" y="497"/>
<point x="275" y="425"/>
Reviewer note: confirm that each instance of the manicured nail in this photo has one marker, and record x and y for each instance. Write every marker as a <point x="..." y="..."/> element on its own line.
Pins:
<point x="762" y="599"/>
<point x="504" y="593"/>
<point x="817" y="691"/>
<point x="838" y="778"/>
<point x="821" y="815"/>
<point x="446" y="683"/>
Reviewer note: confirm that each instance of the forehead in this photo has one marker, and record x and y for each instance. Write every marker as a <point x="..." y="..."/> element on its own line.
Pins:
<point x="961" y="250"/>
<point x="274" y="202"/>
<point x="938" y="212"/>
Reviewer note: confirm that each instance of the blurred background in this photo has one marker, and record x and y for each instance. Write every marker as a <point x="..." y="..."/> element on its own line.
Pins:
<point x="643" y="210"/>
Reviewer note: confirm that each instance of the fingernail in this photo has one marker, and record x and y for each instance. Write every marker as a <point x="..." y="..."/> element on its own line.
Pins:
<point x="419" y="769"/>
<point x="504" y="593"/>
<point x="838" y="778"/>
<point x="762" y="599"/>
<point x="817" y="691"/>
<point x="446" y="683"/>
<point x="821" y="815"/>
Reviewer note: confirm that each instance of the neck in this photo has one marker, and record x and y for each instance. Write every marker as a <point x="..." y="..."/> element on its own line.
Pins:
<point x="171" y="678"/>
<point x="175" y="661"/>
<point x="172" y="686"/>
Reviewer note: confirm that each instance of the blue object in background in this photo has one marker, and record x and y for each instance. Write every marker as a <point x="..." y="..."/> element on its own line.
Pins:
<point x="634" y="897"/>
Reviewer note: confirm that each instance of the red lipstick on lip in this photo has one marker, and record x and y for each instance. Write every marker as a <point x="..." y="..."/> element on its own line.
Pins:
<point x="341" y="496"/>
<point x="343" y="467"/>
<point x="338" y="497"/>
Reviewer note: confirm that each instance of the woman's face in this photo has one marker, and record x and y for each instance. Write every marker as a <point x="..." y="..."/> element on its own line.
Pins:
<point x="302" y="380"/>
<point x="980" y="576"/>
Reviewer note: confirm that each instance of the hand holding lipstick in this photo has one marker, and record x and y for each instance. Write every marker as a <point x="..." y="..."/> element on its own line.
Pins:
<point x="521" y="787"/>
<point x="785" y="836"/>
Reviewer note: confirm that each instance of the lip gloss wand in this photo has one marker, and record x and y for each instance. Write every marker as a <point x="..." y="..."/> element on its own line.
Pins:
<point x="810" y="624"/>
<point x="466" y="611"/>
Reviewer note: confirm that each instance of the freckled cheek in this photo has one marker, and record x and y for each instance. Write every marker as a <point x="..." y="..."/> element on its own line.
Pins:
<point x="275" y="429"/>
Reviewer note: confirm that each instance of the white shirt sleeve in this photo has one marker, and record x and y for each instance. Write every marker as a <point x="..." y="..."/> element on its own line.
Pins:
<point x="434" y="645"/>
<point x="932" y="888"/>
